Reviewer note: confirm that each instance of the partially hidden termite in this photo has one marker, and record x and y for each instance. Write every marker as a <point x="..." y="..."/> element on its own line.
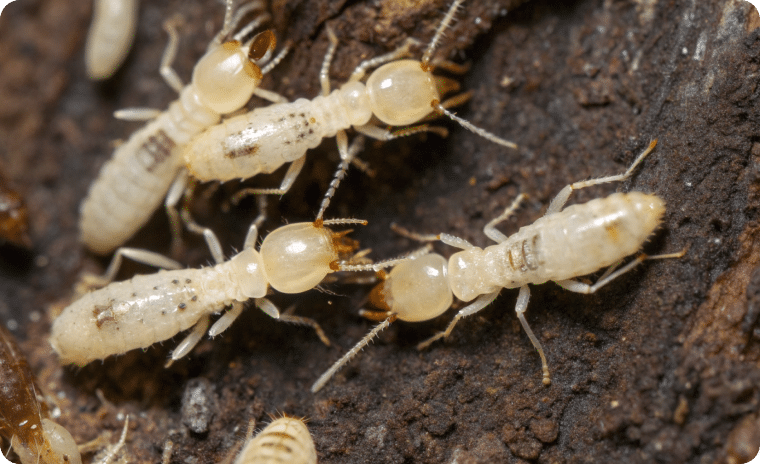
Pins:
<point x="398" y="93"/>
<point x="561" y="245"/>
<point x="34" y="439"/>
<point x="284" y="440"/>
<point x="150" y="308"/>
<point x="148" y="167"/>
<point x="112" y="31"/>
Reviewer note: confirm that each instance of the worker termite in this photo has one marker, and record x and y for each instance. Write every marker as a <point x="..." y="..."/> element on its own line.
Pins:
<point x="148" y="167"/>
<point x="561" y="245"/>
<point x="285" y="440"/>
<point x="150" y="308"/>
<point x="398" y="93"/>
<point x="111" y="34"/>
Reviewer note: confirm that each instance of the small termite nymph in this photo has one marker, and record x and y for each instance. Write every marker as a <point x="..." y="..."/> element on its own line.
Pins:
<point x="148" y="167"/>
<point x="111" y="34"/>
<point x="150" y="308"/>
<point x="285" y="440"/>
<point x="398" y="93"/>
<point x="561" y="245"/>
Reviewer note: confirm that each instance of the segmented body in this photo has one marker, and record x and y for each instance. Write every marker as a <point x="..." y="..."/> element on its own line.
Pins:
<point x="573" y="242"/>
<point x="133" y="184"/>
<point x="146" y="309"/>
<point x="286" y="440"/>
<point x="266" y="138"/>
<point x="111" y="34"/>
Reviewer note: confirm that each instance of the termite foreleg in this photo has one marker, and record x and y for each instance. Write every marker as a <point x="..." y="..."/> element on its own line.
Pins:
<point x="481" y="302"/>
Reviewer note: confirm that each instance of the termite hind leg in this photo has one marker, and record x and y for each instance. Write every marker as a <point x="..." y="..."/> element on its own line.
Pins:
<point x="481" y="302"/>
<point x="490" y="228"/>
<point x="290" y="176"/>
<point x="608" y="276"/>
<point x="170" y="52"/>
<point x="192" y="339"/>
<point x="520" y="307"/>
<point x="150" y="258"/>
<point x="559" y="201"/>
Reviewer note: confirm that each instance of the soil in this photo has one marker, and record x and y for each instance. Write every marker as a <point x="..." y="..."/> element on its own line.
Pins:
<point x="662" y="365"/>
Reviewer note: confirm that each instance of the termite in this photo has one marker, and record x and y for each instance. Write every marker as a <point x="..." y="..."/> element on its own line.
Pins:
<point x="33" y="438"/>
<point x="285" y="440"/>
<point x="111" y="34"/>
<point x="150" y="308"/>
<point x="148" y="167"/>
<point x="561" y="245"/>
<point x="398" y="93"/>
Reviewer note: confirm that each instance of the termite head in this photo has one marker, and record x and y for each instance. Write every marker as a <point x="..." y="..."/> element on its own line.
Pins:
<point x="226" y="77"/>
<point x="415" y="290"/>
<point x="402" y="92"/>
<point x="298" y="256"/>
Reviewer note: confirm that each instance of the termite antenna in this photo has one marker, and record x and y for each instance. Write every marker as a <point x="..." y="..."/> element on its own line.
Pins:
<point x="475" y="129"/>
<point x="356" y="146"/>
<point x="351" y="353"/>
<point x="343" y="221"/>
<point x="439" y="32"/>
<point x="376" y="266"/>
<point x="280" y="56"/>
<point x="122" y="440"/>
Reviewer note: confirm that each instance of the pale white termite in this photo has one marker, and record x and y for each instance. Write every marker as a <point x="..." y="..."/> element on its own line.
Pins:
<point x="112" y="31"/>
<point x="150" y="308"/>
<point x="561" y="245"/>
<point x="285" y="440"/>
<point x="398" y="93"/>
<point x="144" y="168"/>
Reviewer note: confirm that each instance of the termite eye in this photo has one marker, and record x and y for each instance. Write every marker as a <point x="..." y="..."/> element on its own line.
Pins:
<point x="262" y="43"/>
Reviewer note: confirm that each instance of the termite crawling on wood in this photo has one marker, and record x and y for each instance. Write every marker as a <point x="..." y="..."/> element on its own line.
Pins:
<point x="563" y="244"/>
<point x="150" y="308"/>
<point x="136" y="180"/>
<point x="398" y="93"/>
<point x="110" y="37"/>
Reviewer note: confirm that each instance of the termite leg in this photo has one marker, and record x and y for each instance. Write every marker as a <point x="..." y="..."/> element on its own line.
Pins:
<point x="522" y="304"/>
<point x="490" y="228"/>
<point x="177" y="191"/>
<point x="90" y="282"/>
<point x="170" y="52"/>
<point x="481" y="302"/>
<point x="559" y="201"/>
